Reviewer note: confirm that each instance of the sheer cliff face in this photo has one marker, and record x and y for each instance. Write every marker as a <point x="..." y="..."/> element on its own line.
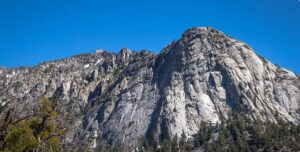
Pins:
<point x="120" y="97"/>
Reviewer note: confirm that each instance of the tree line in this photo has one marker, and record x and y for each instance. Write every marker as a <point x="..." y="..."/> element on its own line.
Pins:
<point x="237" y="134"/>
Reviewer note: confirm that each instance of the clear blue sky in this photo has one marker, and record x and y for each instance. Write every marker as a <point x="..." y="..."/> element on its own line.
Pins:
<point x="32" y="31"/>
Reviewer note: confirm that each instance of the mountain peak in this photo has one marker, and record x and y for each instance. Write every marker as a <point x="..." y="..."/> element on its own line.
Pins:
<point x="200" y="31"/>
<point x="123" y="96"/>
<point x="125" y="51"/>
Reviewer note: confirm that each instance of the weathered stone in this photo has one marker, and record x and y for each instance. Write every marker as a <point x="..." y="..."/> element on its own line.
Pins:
<point x="120" y="97"/>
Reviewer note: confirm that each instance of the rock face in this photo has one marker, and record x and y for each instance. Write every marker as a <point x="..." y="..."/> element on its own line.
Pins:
<point x="120" y="97"/>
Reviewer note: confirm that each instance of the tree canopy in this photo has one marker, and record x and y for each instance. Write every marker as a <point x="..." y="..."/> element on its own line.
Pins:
<point x="36" y="132"/>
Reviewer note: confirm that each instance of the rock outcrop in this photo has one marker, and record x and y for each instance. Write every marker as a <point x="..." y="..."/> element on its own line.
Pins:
<point x="120" y="97"/>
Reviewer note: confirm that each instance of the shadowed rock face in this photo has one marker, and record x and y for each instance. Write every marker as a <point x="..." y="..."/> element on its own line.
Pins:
<point x="120" y="97"/>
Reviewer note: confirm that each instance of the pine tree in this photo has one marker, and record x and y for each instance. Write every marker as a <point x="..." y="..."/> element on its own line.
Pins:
<point x="38" y="132"/>
<point x="182" y="142"/>
<point x="175" y="146"/>
<point x="143" y="144"/>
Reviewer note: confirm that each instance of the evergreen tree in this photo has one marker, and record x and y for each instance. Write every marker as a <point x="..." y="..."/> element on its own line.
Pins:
<point x="175" y="146"/>
<point x="37" y="132"/>
<point x="182" y="142"/>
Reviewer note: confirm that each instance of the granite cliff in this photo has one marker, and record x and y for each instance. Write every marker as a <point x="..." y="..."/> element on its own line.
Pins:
<point x="115" y="98"/>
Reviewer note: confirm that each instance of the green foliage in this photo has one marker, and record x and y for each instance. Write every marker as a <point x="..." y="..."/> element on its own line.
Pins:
<point x="275" y="137"/>
<point x="166" y="145"/>
<point x="143" y="144"/>
<point x="204" y="134"/>
<point x="184" y="145"/>
<point x="239" y="134"/>
<point x="174" y="109"/>
<point x="182" y="142"/>
<point x="38" y="132"/>
<point x="49" y="69"/>
<point x="19" y="138"/>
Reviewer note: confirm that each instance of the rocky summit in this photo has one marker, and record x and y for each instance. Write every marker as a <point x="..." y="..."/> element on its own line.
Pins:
<point x="115" y="98"/>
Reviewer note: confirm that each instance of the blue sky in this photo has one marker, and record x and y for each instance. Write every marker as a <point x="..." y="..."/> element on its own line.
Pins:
<point x="33" y="31"/>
